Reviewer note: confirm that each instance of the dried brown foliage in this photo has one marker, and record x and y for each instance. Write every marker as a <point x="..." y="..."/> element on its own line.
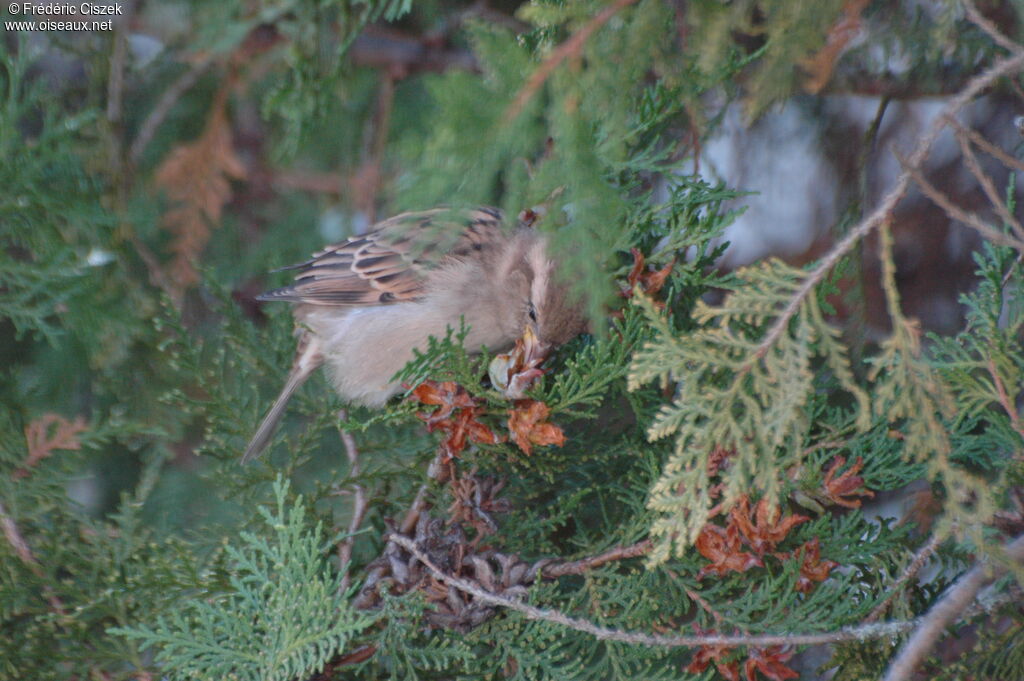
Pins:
<point x="766" y="529"/>
<point x="717" y="655"/>
<point x="760" y="531"/>
<point x="456" y="416"/>
<point x="648" y="279"/>
<point x="771" y="662"/>
<point x="196" y="178"/>
<point x="529" y="426"/>
<point x="723" y="547"/>
<point x="812" y="567"/>
<point x="47" y="434"/>
<point x="836" y="490"/>
<point x="820" y="65"/>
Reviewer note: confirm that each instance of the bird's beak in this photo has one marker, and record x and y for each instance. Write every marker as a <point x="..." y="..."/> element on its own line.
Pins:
<point x="534" y="350"/>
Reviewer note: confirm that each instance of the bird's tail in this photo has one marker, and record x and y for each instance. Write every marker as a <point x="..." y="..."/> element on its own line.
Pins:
<point x="307" y="360"/>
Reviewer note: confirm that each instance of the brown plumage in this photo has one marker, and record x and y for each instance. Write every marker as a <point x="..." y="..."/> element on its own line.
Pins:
<point x="364" y="305"/>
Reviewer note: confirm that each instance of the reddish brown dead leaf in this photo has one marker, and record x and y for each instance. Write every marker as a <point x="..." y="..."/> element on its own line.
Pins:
<point x="707" y="655"/>
<point x="770" y="662"/>
<point x="719" y="459"/>
<point x="196" y="178"/>
<point x="721" y="546"/>
<point x="835" y="489"/>
<point x="448" y="395"/>
<point x="820" y="65"/>
<point x="456" y="417"/>
<point x="529" y="426"/>
<point x="812" y="568"/>
<point x="649" y="280"/>
<point x="47" y="434"/>
<point x="767" y="529"/>
<point x="355" y="657"/>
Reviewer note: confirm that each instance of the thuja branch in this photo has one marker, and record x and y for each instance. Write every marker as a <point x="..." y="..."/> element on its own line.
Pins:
<point x="856" y="633"/>
<point x="570" y="48"/>
<point x="951" y="607"/>
<point x="915" y="565"/>
<point x="16" y="540"/>
<point x="910" y="173"/>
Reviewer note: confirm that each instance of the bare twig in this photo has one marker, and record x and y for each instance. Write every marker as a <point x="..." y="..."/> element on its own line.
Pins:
<point x="956" y="212"/>
<point x="317" y="183"/>
<point x="115" y="90"/>
<point x="164" y="105"/>
<point x="419" y="505"/>
<point x="889" y="201"/>
<point x="987" y="146"/>
<point x="988" y="27"/>
<point x="578" y="567"/>
<point x="971" y="161"/>
<point x="858" y="633"/>
<point x="1005" y="402"/>
<point x="699" y="600"/>
<point x="365" y="182"/>
<point x="947" y="610"/>
<point x="915" y="565"/>
<point x="570" y="48"/>
<point x="24" y="553"/>
<point x="359" y="505"/>
<point x="14" y="538"/>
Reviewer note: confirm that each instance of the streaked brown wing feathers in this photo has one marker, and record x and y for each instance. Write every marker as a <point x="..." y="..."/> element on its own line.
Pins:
<point x="387" y="264"/>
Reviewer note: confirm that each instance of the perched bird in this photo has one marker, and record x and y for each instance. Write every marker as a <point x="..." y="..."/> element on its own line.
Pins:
<point x="364" y="305"/>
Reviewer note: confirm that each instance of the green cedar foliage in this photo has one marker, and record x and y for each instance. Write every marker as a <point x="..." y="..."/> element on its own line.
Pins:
<point x="135" y="545"/>
<point x="282" y="615"/>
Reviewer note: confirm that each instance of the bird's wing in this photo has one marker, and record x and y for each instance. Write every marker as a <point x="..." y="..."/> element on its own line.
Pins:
<point x="388" y="263"/>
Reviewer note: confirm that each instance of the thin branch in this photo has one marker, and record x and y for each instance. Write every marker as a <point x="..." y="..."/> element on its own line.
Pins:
<point x="24" y="553"/>
<point x="889" y="201"/>
<point x="390" y="49"/>
<point x="955" y="212"/>
<point x="988" y="27"/>
<point x="971" y="161"/>
<point x="570" y="48"/>
<point x="920" y="558"/>
<point x="946" y="611"/>
<point x="317" y="183"/>
<point x="115" y="89"/>
<point x="1007" y="404"/>
<point x="365" y="183"/>
<point x="699" y="600"/>
<point x="359" y="506"/>
<point x="578" y="567"/>
<point x="14" y="538"/>
<point x="419" y="505"/>
<point x="164" y="105"/>
<point x="857" y="633"/>
<point x="986" y="146"/>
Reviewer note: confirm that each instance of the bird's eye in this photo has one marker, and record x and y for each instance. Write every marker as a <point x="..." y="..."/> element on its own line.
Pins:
<point x="533" y="313"/>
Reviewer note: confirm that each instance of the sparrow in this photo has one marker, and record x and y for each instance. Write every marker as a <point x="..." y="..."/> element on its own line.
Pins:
<point x="364" y="305"/>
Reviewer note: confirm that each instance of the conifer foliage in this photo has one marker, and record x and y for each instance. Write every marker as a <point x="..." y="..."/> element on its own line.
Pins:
<point x="683" y="492"/>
